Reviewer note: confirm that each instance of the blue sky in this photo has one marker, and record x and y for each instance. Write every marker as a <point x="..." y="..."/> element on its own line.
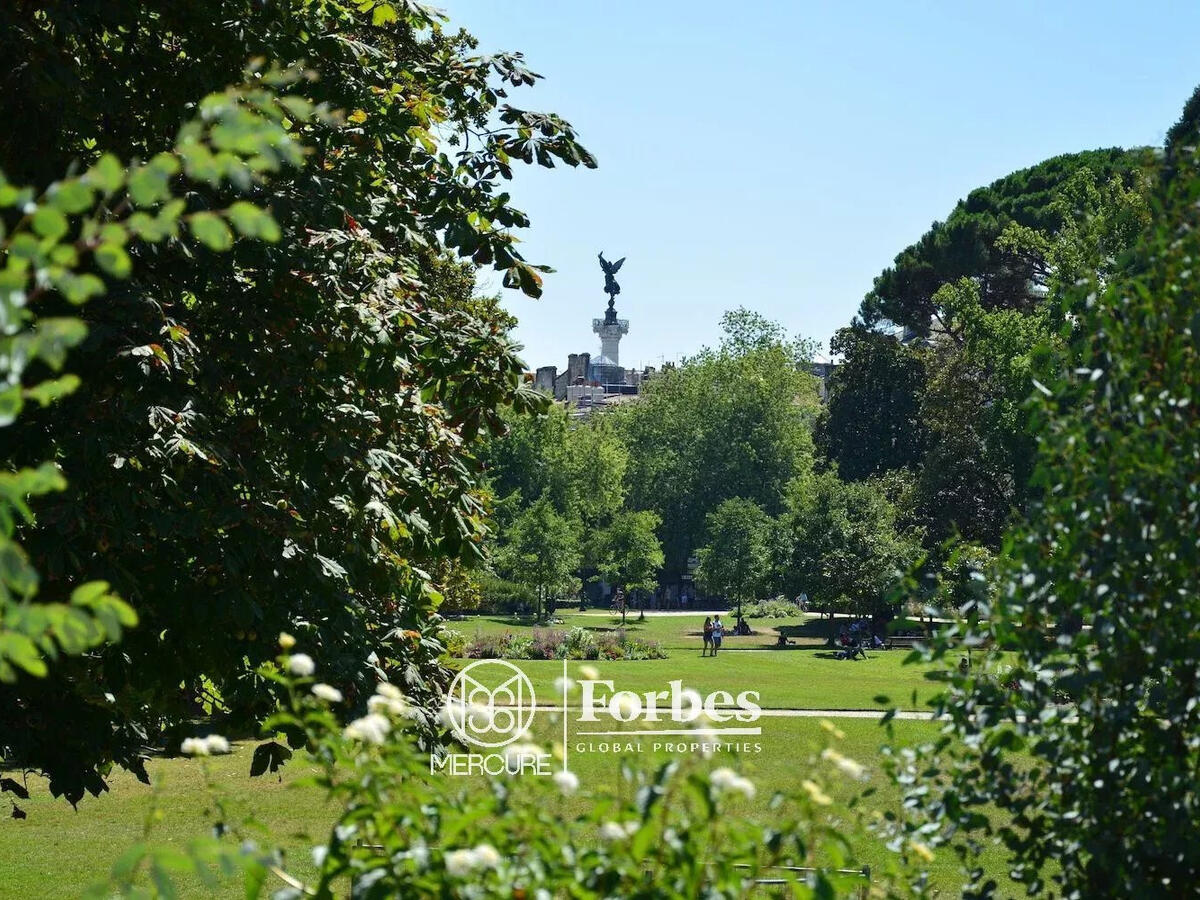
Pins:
<point x="778" y="155"/>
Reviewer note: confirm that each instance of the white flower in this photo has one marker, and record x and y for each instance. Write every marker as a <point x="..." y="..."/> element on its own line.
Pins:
<point x="564" y="685"/>
<point x="722" y="778"/>
<point x="381" y="704"/>
<point x="301" y="664"/>
<point x="591" y="673"/>
<point x="459" y="863"/>
<point x="612" y="831"/>
<point x="419" y="854"/>
<point x="725" y="780"/>
<point x="389" y="690"/>
<point x="286" y="641"/>
<point x="370" y="729"/>
<point x="327" y="692"/>
<point x="632" y="827"/>
<point x="514" y="754"/>
<point x="745" y="787"/>
<point x="194" y="747"/>
<point x="216" y="744"/>
<point x="319" y="854"/>
<point x="567" y="781"/>
<point x="845" y="764"/>
<point x="486" y="856"/>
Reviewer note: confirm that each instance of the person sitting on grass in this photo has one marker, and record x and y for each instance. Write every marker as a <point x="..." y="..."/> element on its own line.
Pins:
<point x="708" y="629"/>
<point x="718" y="632"/>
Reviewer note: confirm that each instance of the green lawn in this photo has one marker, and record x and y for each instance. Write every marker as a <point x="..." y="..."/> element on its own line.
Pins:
<point x="57" y="852"/>
<point x="785" y="679"/>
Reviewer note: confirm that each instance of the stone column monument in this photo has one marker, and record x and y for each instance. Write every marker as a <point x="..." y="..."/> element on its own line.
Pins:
<point x="610" y="329"/>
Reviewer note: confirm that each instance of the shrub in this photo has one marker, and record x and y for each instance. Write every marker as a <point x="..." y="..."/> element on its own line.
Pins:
<point x="455" y="642"/>
<point x="581" y="644"/>
<point x="778" y="608"/>
<point x="490" y="646"/>
<point x="547" y="643"/>
<point x="1097" y="599"/>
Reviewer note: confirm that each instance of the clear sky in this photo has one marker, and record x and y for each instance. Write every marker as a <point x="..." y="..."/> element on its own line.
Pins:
<point x="778" y="154"/>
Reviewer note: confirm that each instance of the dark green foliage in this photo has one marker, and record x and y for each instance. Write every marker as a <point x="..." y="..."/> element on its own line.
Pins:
<point x="279" y="437"/>
<point x="735" y="560"/>
<point x="1099" y="604"/>
<point x="964" y="246"/>
<point x="733" y="422"/>
<point x="846" y="545"/>
<point x="872" y="420"/>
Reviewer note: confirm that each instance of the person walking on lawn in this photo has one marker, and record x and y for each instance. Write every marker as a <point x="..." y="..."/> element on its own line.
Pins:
<point x="708" y="628"/>
<point x="718" y="632"/>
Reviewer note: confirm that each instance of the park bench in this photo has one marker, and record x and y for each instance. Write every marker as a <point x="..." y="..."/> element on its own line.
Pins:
<point x="903" y="641"/>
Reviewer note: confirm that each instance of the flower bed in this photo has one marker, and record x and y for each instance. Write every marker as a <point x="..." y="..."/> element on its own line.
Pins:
<point x="578" y="643"/>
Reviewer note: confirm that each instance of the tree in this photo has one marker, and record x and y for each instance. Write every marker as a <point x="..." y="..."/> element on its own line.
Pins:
<point x="283" y="436"/>
<point x="975" y="474"/>
<point x="968" y="245"/>
<point x="1097" y="602"/>
<point x="872" y="419"/>
<point x="726" y="423"/>
<point x="541" y="551"/>
<point x="629" y="554"/>
<point x="735" y="562"/>
<point x="847" y="551"/>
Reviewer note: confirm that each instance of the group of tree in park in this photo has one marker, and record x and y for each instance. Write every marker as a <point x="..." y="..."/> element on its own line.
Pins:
<point x="924" y="441"/>
<point x="715" y="460"/>
<point x="249" y="388"/>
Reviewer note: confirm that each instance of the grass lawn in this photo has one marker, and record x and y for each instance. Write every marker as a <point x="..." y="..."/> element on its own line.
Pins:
<point x="57" y="852"/>
<point x="785" y="679"/>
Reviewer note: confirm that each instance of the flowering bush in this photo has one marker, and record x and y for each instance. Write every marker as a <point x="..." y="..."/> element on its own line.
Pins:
<point x="550" y="644"/>
<point x="779" y="608"/>
<point x="455" y="642"/>
<point x="402" y="832"/>
<point x="581" y="644"/>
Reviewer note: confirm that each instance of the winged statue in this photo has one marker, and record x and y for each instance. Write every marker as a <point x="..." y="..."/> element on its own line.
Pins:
<point x="610" y="270"/>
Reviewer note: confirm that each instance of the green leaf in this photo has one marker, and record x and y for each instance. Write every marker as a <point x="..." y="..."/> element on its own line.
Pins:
<point x="384" y="14"/>
<point x="72" y="197"/>
<point x="11" y="401"/>
<point x="253" y="222"/>
<point x="50" y="223"/>
<point x="113" y="259"/>
<point x="211" y="230"/>
<point x="21" y="651"/>
<point x="107" y="174"/>
<point x="128" y="861"/>
<point x="78" y="288"/>
<point x="48" y="391"/>
<point x="150" y="184"/>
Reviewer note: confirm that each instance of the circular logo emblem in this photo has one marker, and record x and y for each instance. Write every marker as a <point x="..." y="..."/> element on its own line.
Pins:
<point x="490" y="703"/>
